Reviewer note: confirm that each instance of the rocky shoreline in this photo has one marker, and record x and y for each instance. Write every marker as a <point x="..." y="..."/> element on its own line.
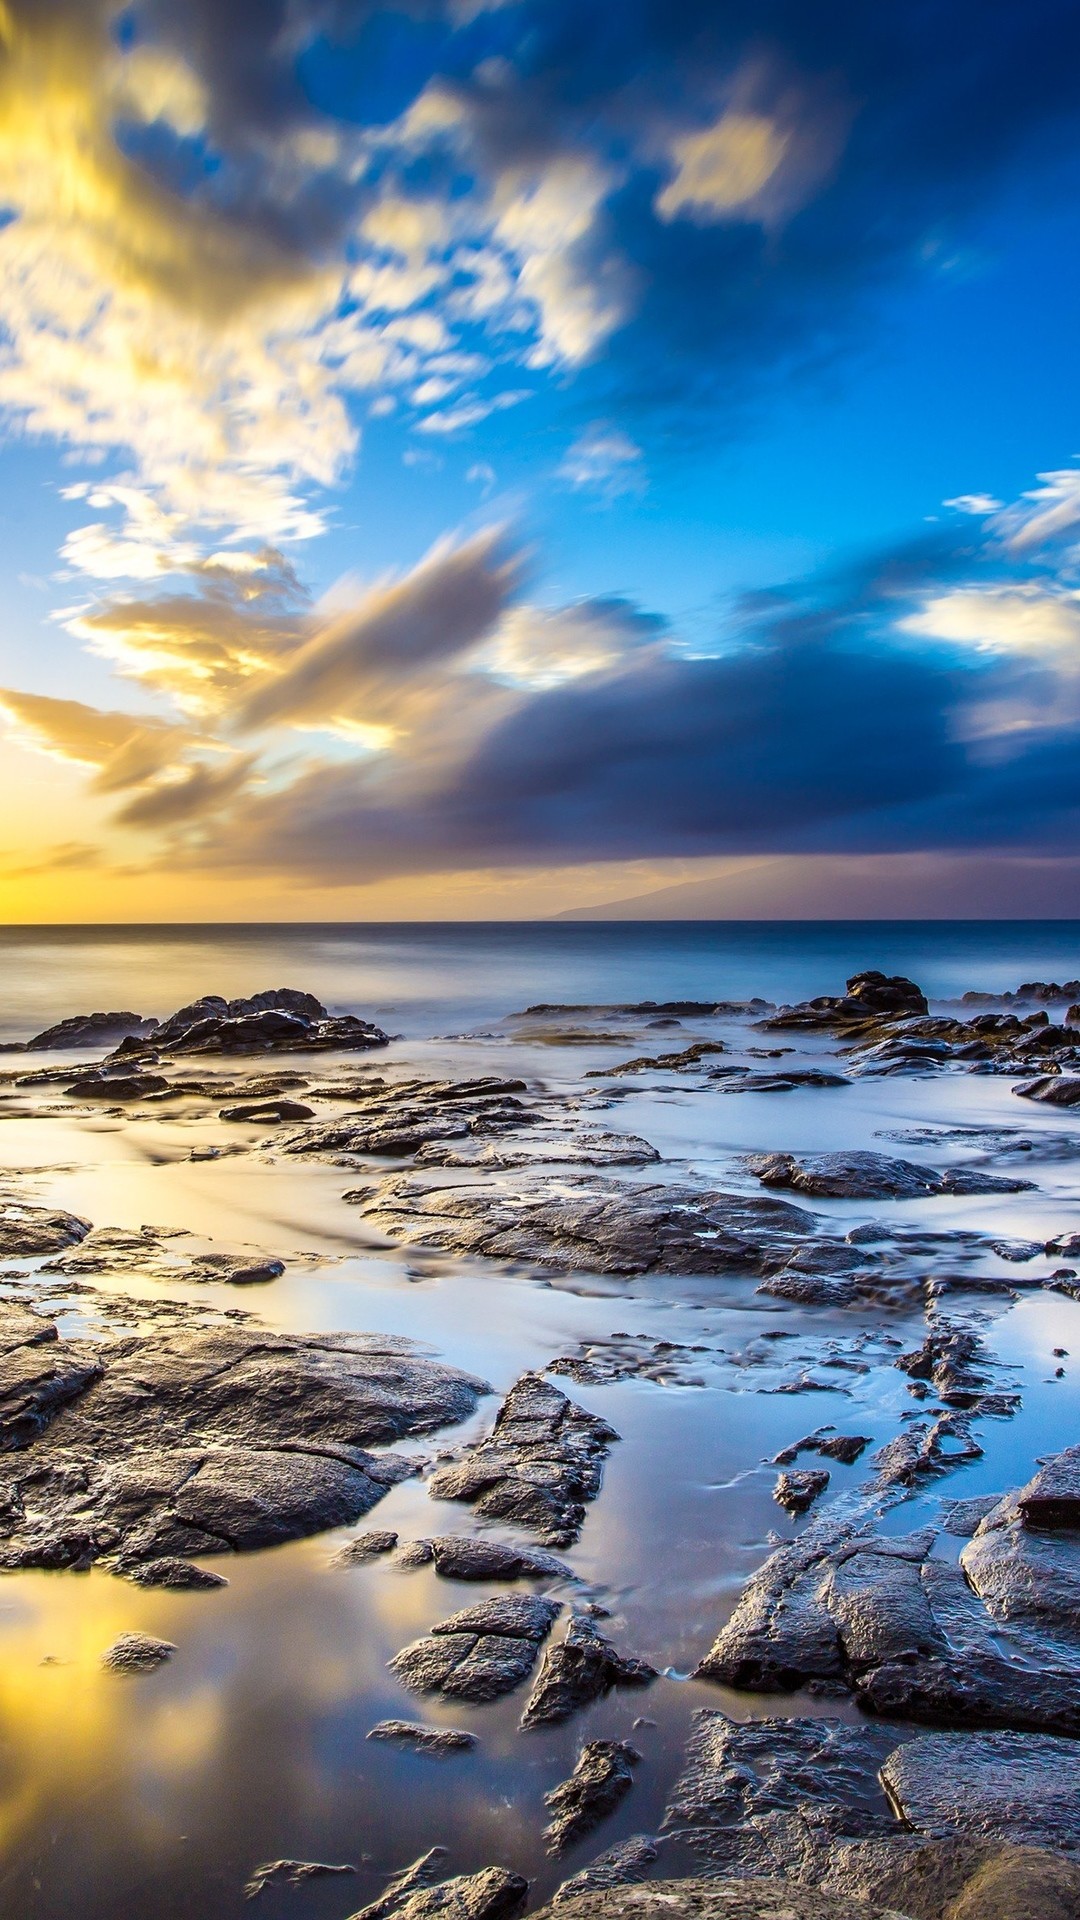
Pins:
<point x="165" y="1430"/>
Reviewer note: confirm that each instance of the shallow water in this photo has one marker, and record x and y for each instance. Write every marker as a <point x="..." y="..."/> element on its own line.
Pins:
<point x="156" y="1796"/>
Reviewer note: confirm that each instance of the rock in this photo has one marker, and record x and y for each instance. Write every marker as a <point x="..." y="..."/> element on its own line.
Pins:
<point x="845" y="1447"/>
<point x="541" y="1463"/>
<point x="290" y="1873"/>
<point x="623" y="1865"/>
<point x="26" y="1231"/>
<point x="871" y="997"/>
<point x="1021" y="1787"/>
<point x="177" y="1445"/>
<point x="402" y="1885"/>
<point x="137" y="1653"/>
<point x="961" y="1879"/>
<point x="437" y="1740"/>
<point x="947" y="1359"/>
<point x="235" y="1270"/>
<point x="281" y="1018"/>
<point x="89" y="1030"/>
<point x="480" y="1653"/>
<point x="962" y="1517"/>
<point x="586" y="1223"/>
<point x="691" y="1056"/>
<point x="1024" y="1573"/>
<point x="400" y="1118"/>
<point x="798" y="1491"/>
<point x="743" y="1899"/>
<point x="601" y="1778"/>
<point x="1054" y="1090"/>
<point x="1052" y="1499"/>
<point x="120" y="1088"/>
<point x="761" y="1796"/>
<point x="459" y="1558"/>
<point x="581" y="1668"/>
<point x="873" y="1176"/>
<point x="366" y="1546"/>
<point x="180" y="1575"/>
<point x="902" y="1630"/>
<point x="492" y="1894"/>
<point x="268" y="1111"/>
<point x="580" y="1147"/>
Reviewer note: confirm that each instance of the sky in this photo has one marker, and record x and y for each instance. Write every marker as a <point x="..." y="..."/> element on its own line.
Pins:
<point x="469" y="459"/>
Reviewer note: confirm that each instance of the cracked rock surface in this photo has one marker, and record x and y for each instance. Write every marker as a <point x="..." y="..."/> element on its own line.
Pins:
<point x="148" y="1447"/>
<point x="539" y="1466"/>
<point x="581" y="1668"/>
<point x="600" y="1780"/>
<point x="481" y="1652"/>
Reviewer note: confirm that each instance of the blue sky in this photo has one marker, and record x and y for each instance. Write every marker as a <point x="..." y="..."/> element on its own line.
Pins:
<point x="479" y="457"/>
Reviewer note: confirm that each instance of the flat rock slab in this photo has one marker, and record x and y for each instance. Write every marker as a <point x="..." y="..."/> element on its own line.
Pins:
<point x="955" y="1879"/>
<point x="144" y="1448"/>
<point x="873" y="1176"/>
<point x="601" y="1779"/>
<point x="751" y="1899"/>
<point x="1021" y="1787"/>
<point x="625" y="1864"/>
<point x="582" y="1223"/>
<point x="26" y="1231"/>
<point x="540" y="1465"/>
<point x="481" y="1652"/>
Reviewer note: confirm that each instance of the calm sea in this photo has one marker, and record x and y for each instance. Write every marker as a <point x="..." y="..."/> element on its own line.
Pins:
<point x="428" y="978"/>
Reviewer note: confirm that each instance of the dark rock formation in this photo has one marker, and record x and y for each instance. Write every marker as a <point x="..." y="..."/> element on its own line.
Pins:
<point x="845" y="1447"/>
<point x="492" y="1894"/>
<point x="541" y="1463"/>
<point x="1054" y="1090"/>
<point x="280" y="1019"/>
<point x="581" y="1223"/>
<point x="395" y="1119"/>
<point x="601" y="1778"/>
<point x="181" y="1576"/>
<point x="797" y="1491"/>
<point x="189" y="1443"/>
<point x="26" y="1231"/>
<point x="907" y="1632"/>
<point x="870" y="996"/>
<point x="269" y="1111"/>
<point x="1021" y="1787"/>
<point x="480" y="1653"/>
<point x="290" y="1873"/>
<point x="89" y="1030"/>
<point x="366" y="1546"/>
<point x="580" y="1669"/>
<point x="117" y="1088"/>
<point x="460" y="1557"/>
<point x="873" y="1176"/>
<point x="421" y="1739"/>
<point x="137" y="1653"/>
<point x="624" y="1865"/>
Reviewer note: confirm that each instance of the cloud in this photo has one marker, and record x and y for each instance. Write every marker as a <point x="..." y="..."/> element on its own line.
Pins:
<point x="606" y="461"/>
<point x="122" y="749"/>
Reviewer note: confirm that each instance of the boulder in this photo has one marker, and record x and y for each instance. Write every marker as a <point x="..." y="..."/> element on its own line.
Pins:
<point x="581" y="1668"/>
<point x="89" y="1030"/>
<point x="600" y="1780"/>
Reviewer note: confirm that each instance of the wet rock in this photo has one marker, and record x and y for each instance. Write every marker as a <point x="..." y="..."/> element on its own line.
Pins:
<point x="957" y="1879"/>
<point x="870" y="996"/>
<point x="180" y="1444"/>
<point x="403" y="1885"/>
<point x="1052" y="1498"/>
<point x="480" y="1653"/>
<point x="797" y="1491"/>
<point x="742" y="1899"/>
<point x="181" y="1576"/>
<point x="235" y="1270"/>
<point x="786" y="1080"/>
<point x="584" y="1147"/>
<point x="1024" y="1573"/>
<point x="585" y="1223"/>
<point x="397" y="1119"/>
<point x="89" y="1030"/>
<point x="761" y="1796"/>
<point x="844" y="1447"/>
<point x="26" y="1231"/>
<point x="493" y="1894"/>
<point x="581" y="1668"/>
<point x="269" y="1111"/>
<point x="679" y="1062"/>
<point x="962" y="1517"/>
<point x="366" y="1546"/>
<point x="459" y="1557"/>
<point x="281" y="1018"/>
<point x="137" y="1653"/>
<point x="873" y="1176"/>
<point x="541" y="1463"/>
<point x="1021" y="1787"/>
<point x="624" y="1865"/>
<point x="902" y="1630"/>
<point x="600" y="1780"/>
<point x="949" y="1359"/>
<point x="290" y="1873"/>
<point x="421" y="1739"/>
<point x="1054" y="1090"/>
<point x="119" y="1088"/>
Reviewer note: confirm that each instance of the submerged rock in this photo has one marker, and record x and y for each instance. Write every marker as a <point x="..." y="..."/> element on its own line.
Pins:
<point x="541" y="1463"/>
<point x="437" y="1740"/>
<point x="290" y="1873"/>
<point x="601" y="1778"/>
<point x="580" y="1669"/>
<point x="164" y="1446"/>
<point x="137" y="1653"/>
<point x="480" y="1653"/>
<point x="492" y="1894"/>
